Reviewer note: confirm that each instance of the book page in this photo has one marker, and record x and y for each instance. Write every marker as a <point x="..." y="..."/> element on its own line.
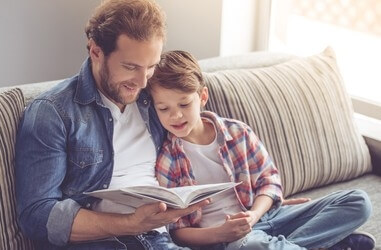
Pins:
<point x="193" y="194"/>
<point x="157" y="192"/>
<point x="128" y="198"/>
<point x="178" y="197"/>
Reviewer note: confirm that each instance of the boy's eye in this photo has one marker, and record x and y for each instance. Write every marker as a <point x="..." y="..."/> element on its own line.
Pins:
<point x="162" y="109"/>
<point x="184" y="105"/>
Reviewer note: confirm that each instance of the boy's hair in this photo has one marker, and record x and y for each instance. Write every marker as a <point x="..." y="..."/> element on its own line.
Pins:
<point x="177" y="70"/>
<point x="138" y="19"/>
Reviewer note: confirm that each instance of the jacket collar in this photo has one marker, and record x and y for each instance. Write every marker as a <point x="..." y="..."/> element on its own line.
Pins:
<point x="86" y="91"/>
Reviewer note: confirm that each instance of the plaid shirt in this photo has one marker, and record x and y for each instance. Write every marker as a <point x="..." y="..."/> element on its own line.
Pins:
<point x="243" y="156"/>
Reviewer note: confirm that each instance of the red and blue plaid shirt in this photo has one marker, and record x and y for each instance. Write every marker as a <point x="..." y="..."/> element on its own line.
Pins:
<point x="243" y="157"/>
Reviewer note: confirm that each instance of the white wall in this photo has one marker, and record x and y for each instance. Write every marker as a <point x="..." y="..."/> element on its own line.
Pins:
<point x="244" y="27"/>
<point x="209" y="28"/>
<point x="194" y="26"/>
<point x="42" y="39"/>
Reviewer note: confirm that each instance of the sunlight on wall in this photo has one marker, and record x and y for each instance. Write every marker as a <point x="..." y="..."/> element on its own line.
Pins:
<point x="358" y="52"/>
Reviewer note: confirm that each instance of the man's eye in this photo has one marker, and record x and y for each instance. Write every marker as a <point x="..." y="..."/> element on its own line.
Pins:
<point x="128" y="67"/>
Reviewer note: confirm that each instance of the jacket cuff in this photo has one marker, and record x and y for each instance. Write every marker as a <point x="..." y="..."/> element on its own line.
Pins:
<point x="60" y="221"/>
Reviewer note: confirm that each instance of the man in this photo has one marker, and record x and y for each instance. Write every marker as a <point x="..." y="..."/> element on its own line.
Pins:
<point x="93" y="131"/>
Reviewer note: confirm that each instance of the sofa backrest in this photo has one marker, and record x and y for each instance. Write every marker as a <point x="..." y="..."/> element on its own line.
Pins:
<point x="11" y="108"/>
<point x="32" y="90"/>
<point x="301" y="112"/>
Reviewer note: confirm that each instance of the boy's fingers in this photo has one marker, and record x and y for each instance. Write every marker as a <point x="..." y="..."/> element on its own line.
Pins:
<point x="295" y="201"/>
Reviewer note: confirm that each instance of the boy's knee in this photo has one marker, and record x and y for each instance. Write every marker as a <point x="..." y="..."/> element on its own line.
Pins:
<point x="363" y="203"/>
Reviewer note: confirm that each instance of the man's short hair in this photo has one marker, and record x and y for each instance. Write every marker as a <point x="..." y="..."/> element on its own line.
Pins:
<point x="140" y="20"/>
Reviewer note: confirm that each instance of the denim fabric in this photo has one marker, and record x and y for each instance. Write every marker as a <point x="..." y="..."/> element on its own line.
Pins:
<point x="64" y="148"/>
<point x="151" y="240"/>
<point x="320" y="223"/>
<point x="116" y="243"/>
<point x="154" y="240"/>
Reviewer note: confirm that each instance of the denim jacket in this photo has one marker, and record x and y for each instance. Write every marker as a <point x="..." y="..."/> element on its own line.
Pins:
<point x="64" y="148"/>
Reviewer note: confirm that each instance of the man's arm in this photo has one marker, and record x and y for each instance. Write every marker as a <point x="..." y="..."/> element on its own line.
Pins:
<point x="40" y="167"/>
<point x="90" y="225"/>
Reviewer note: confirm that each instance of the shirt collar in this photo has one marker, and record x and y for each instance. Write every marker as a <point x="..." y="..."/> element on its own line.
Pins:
<point x="223" y="134"/>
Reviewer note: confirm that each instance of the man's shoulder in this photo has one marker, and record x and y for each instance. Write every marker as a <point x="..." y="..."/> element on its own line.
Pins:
<point x="59" y="98"/>
<point x="64" y="89"/>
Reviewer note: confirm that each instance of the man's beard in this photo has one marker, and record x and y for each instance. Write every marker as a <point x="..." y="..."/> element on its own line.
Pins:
<point x="111" y="89"/>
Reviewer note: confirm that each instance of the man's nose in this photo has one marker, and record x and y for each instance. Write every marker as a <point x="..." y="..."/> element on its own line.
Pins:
<point x="141" y="78"/>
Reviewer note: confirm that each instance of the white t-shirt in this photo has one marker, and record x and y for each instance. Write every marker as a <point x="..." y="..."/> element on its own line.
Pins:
<point x="134" y="154"/>
<point x="208" y="169"/>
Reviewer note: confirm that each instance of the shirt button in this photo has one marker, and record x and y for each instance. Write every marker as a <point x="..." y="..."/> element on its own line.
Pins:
<point x="110" y="119"/>
<point x="145" y="102"/>
<point x="88" y="205"/>
<point x="105" y="185"/>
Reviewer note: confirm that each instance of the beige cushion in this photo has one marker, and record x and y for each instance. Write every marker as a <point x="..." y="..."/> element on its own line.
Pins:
<point x="301" y="112"/>
<point x="11" y="108"/>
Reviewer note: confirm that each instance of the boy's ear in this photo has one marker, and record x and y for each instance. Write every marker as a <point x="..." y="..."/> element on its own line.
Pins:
<point x="204" y="95"/>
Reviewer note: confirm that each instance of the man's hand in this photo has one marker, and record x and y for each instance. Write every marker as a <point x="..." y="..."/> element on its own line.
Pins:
<point x="151" y="216"/>
<point x="295" y="201"/>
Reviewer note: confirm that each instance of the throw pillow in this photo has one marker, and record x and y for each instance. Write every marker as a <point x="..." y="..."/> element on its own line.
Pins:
<point x="301" y="112"/>
<point x="11" y="108"/>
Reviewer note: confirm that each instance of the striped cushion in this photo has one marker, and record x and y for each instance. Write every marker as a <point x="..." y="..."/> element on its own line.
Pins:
<point x="301" y="112"/>
<point x="11" y="108"/>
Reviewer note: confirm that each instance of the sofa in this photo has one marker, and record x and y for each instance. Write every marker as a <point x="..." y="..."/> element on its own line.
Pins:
<point x="297" y="106"/>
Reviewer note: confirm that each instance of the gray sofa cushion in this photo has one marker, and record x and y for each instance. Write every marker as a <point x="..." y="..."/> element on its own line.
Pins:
<point x="301" y="111"/>
<point x="11" y="108"/>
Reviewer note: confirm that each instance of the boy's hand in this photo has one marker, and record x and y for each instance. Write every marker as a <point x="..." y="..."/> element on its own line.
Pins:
<point x="235" y="227"/>
<point x="295" y="201"/>
<point x="151" y="216"/>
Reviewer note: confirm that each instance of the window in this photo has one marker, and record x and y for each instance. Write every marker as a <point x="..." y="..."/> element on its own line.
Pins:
<point x="351" y="27"/>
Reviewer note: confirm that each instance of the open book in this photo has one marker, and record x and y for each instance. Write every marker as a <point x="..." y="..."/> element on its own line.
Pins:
<point x="178" y="197"/>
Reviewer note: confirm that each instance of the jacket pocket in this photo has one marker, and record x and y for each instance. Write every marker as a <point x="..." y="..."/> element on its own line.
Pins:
<point x="85" y="157"/>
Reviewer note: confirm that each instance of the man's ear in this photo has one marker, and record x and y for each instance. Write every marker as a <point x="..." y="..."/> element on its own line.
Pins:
<point x="95" y="52"/>
<point x="204" y="95"/>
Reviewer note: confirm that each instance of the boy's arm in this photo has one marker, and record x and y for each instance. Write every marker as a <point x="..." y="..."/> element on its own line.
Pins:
<point x="261" y="205"/>
<point x="235" y="227"/>
<point x="264" y="175"/>
<point x="231" y="230"/>
<point x="270" y="184"/>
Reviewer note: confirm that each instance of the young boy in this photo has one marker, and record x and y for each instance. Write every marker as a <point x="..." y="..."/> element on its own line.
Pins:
<point x="203" y="148"/>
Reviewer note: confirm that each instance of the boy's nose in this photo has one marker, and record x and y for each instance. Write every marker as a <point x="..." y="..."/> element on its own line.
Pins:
<point x="176" y="114"/>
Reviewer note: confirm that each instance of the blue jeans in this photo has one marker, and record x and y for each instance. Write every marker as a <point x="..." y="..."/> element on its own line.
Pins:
<point x="319" y="223"/>
<point x="152" y="240"/>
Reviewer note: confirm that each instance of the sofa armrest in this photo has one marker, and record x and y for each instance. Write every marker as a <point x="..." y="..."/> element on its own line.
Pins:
<point x="370" y="128"/>
<point x="374" y="146"/>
